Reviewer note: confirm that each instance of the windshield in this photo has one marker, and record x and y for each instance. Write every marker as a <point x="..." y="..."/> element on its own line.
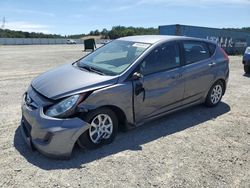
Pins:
<point x="113" y="58"/>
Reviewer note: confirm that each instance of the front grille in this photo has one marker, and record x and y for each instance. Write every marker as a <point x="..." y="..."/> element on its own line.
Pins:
<point x="30" y="102"/>
<point x="38" y="99"/>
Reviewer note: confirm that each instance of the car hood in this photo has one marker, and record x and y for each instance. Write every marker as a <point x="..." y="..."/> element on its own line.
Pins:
<point x="68" y="80"/>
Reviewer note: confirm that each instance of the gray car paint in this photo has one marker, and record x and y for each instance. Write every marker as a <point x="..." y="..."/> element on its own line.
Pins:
<point x="118" y="95"/>
<point x="161" y="89"/>
<point x="180" y="92"/>
<point x="164" y="93"/>
<point x="46" y="132"/>
<point x="198" y="77"/>
<point x="69" y="79"/>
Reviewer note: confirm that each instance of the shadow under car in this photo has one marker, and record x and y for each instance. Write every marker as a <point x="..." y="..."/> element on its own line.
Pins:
<point x="151" y="131"/>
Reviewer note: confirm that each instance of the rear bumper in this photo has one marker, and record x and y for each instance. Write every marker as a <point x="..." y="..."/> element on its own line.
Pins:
<point x="50" y="136"/>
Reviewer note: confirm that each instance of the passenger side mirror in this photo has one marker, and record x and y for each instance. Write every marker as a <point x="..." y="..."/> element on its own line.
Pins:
<point x="137" y="76"/>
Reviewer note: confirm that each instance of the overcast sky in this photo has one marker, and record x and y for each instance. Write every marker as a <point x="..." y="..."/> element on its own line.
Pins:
<point x="81" y="16"/>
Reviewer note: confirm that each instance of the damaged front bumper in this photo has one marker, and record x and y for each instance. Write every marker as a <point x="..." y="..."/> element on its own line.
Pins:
<point x="51" y="136"/>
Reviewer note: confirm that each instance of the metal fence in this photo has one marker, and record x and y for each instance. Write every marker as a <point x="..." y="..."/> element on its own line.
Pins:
<point x="35" y="41"/>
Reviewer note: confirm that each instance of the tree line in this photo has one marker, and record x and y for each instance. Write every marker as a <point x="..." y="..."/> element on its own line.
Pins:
<point x="115" y="32"/>
<point x="118" y="31"/>
<point x="243" y="29"/>
<point x="6" y="33"/>
<point x="121" y="31"/>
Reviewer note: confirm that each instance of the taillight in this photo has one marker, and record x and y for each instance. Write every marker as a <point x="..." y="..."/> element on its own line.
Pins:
<point x="224" y="54"/>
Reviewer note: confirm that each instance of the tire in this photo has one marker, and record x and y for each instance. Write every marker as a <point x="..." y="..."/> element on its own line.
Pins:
<point x="106" y="131"/>
<point x="247" y="69"/>
<point x="215" y="94"/>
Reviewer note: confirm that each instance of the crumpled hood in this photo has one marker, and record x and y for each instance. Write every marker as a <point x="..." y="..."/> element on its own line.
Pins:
<point x="68" y="80"/>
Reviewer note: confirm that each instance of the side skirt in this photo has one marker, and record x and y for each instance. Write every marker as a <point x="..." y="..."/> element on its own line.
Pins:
<point x="196" y="102"/>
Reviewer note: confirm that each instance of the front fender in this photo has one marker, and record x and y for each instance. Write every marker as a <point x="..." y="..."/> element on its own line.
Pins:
<point x="119" y="95"/>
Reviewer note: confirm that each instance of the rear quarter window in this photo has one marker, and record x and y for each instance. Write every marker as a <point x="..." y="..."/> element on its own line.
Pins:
<point x="195" y="51"/>
<point x="212" y="48"/>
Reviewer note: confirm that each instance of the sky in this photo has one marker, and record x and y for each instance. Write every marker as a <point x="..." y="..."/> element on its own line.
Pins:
<point x="67" y="17"/>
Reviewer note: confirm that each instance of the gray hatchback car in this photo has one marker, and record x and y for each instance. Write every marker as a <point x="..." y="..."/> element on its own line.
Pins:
<point x="121" y="85"/>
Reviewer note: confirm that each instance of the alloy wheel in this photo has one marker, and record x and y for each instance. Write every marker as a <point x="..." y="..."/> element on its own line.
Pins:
<point x="101" y="128"/>
<point x="216" y="94"/>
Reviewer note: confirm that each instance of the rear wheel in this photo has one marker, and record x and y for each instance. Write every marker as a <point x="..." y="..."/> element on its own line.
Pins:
<point x="215" y="94"/>
<point x="103" y="128"/>
<point x="247" y="69"/>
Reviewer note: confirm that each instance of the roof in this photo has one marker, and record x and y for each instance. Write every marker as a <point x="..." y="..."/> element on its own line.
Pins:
<point x="151" y="39"/>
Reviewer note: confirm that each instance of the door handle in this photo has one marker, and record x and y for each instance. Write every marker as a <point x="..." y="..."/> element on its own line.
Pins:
<point x="212" y="64"/>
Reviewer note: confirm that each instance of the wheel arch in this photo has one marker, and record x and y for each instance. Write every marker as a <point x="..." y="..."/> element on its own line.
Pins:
<point x="223" y="81"/>
<point x="218" y="79"/>
<point x="121" y="116"/>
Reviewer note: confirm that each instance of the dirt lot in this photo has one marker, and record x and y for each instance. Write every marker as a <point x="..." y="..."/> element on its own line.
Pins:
<point x="197" y="147"/>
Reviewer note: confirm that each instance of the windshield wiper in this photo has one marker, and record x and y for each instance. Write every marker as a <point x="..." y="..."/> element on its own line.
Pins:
<point x="91" y="69"/>
<point x="97" y="71"/>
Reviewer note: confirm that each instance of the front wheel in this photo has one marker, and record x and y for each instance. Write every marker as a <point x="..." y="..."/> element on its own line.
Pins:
<point x="215" y="94"/>
<point x="247" y="69"/>
<point x="103" y="128"/>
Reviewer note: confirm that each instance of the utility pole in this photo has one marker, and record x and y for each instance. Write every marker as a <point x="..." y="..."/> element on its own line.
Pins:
<point x="2" y="27"/>
<point x="3" y="23"/>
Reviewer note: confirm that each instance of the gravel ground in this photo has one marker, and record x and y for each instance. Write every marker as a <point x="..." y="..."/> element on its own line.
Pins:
<point x="196" y="147"/>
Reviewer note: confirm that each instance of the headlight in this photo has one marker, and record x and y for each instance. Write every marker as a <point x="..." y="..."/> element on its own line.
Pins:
<point x="63" y="108"/>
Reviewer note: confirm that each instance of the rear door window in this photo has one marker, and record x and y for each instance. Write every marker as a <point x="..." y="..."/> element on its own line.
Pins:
<point x="195" y="51"/>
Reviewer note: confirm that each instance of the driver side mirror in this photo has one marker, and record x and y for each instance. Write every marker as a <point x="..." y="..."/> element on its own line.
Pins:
<point x="137" y="76"/>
